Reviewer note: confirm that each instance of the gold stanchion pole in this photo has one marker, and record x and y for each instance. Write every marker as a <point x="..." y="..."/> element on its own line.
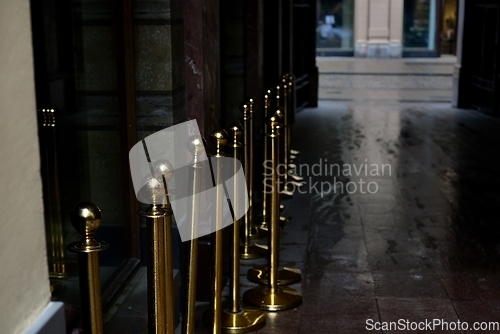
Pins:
<point x="284" y="191"/>
<point x="290" y="79"/>
<point x="249" y="250"/>
<point x="272" y="297"/>
<point x="165" y="169"/>
<point x="86" y="219"/>
<point x="290" y="181"/>
<point x="267" y="113"/>
<point x="288" y="188"/>
<point x="219" y="139"/>
<point x="195" y="146"/>
<point x="291" y="175"/>
<point x="238" y="319"/>
<point x="156" y="274"/>
<point x="248" y="140"/>
<point x="260" y="274"/>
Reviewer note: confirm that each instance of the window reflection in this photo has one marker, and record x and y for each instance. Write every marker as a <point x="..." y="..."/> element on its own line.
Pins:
<point x="419" y="24"/>
<point x="335" y="25"/>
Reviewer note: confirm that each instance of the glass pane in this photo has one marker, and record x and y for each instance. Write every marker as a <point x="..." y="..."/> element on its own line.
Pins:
<point x="335" y="24"/>
<point x="419" y="24"/>
<point x="88" y="142"/>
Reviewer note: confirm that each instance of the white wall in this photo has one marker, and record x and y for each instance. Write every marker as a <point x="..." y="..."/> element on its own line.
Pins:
<point x="24" y="284"/>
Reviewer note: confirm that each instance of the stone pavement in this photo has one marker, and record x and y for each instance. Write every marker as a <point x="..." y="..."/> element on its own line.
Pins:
<point x="385" y="80"/>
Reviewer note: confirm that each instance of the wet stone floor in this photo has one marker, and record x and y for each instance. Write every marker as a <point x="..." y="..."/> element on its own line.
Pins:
<point x="398" y="220"/>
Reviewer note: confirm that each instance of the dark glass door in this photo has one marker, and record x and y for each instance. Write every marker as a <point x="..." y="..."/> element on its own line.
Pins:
<point x="484" y="83"/>
<point x="79" y="52"/>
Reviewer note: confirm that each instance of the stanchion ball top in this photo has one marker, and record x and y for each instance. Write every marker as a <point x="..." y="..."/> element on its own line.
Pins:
<point x="164" y="168"/>
<point x="86" y="218"/>
<point x="219" y="138"/>
<point x="244" y="108"/>
<point x="235" y="130"/>
<point x="195" y="145"/>
<point x="274" y="121"/>
<point x="280" y="112"/>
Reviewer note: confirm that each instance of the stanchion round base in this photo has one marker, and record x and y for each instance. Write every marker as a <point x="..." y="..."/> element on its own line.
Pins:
<point x="281" y="299"/>
<point x="252" y="252"/>
<point x="246" y="321"/>
<point x="286" y="275"/>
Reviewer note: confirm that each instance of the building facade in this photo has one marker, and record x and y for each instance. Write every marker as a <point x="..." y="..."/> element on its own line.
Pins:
<point x="386" y="28"/>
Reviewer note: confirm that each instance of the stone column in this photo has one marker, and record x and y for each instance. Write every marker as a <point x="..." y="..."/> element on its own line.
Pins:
<point x="378" y="28"/>
<point x="361" y="11"/>
<point x="396" y="28"/>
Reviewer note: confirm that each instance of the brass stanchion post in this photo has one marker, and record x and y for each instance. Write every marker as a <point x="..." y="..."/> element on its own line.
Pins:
<point x="260" y="274"/>
<point x="249" y="250"/>
<point x="156" y="274"/>
<point x="290" y="181"/>
<point x="165" y="169"/>
<point x="86" y="219"/>
<point x="247" y="109"/>
<point x="219" y="139"/>
<point x="265" y="198"/>
<point x="285" y="190"/>
<point x="290" y="79"/>
<point x="196" y="147"/>
<point x="272" y="297"/>
<point x="238" y="319"/>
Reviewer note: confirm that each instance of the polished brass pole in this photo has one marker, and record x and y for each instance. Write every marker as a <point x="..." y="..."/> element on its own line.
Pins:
<point x="165" y="170"/>
<point x="154" y="190"/>
<point x="289" y="112"/>
<point x="260" y="273"/>
<point x="196" y="147"/>
<point x="289" y="181"/>
<point x="86" y="219"/>
<point x="286" y="152"/>
<point x="272" y="297"/>
<point x="219" y="139"/>
<point x="236" y="318"/>
<point x="285" y="190"/>
<point x="249" y="250"/>
<point x="289" y="78"/>
<point x="265" y="198"/>
<point x="255" y="232"/>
